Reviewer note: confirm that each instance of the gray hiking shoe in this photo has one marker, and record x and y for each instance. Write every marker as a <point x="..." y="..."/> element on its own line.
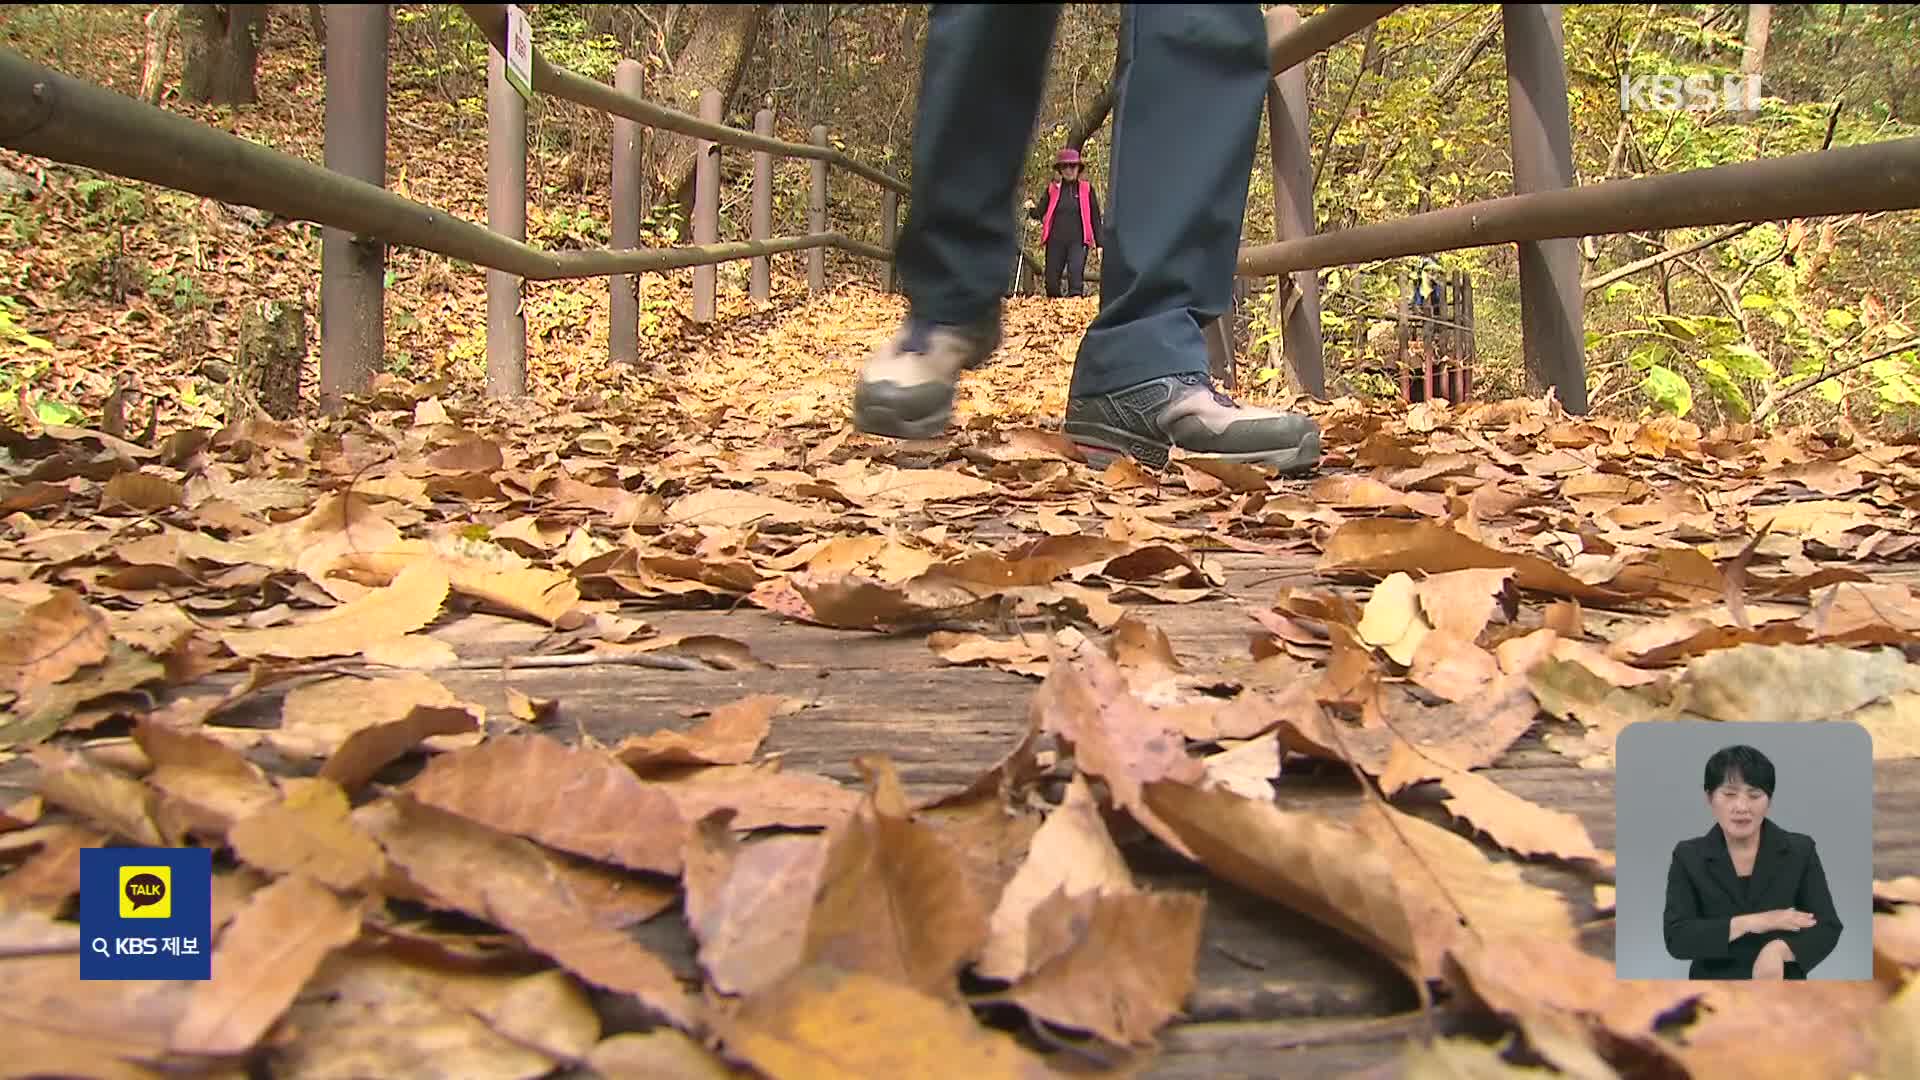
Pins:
<point x="1145" y="420"/>
<point x="906" y="386"/>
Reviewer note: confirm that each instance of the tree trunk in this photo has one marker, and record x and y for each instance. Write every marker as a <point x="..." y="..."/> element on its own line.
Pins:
<point x="317" y="20"/>
<point x="714" y="58"/>
<point x="222" y="44"/>
<point x="1759" y="29"/>
<point x="159" y="42"/>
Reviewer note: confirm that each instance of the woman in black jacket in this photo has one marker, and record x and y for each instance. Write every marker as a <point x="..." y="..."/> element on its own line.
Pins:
<point x="1748" y="900"/>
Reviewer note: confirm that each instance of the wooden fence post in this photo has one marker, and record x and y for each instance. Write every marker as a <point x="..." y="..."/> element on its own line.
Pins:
<point x="706" y="206"/>
<point x="1552" y="336"/>
<point x="353" y="329"/>
<point x="623" y="309"/>
<point x="760" y="270"/>
<point x="817" y="217"/>
<point x="1289" y="144"/>
<point x="506" y="215"/>
<point x="890" y="233"/>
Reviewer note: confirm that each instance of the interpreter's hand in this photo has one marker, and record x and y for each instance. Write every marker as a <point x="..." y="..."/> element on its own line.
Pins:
<point x="1772" y="961"/>
<point x="1785" y="920"/>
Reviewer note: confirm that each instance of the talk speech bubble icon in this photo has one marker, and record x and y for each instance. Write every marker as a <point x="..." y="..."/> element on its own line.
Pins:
<point x="144" y="890"/>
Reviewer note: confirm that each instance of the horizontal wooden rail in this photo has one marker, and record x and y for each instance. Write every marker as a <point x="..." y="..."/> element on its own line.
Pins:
<point x="491" y="20"/>
<point x="1848" y="180"/>
<point x="49" y="114"/>
<point x="1285" y="48"/>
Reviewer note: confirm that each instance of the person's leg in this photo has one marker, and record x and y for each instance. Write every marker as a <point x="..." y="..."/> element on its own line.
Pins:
<point x="1056" y="263"/>
<point x="1190" y="88"/>
<point x="980" y="91"/>
<point x="1076" y="269"/>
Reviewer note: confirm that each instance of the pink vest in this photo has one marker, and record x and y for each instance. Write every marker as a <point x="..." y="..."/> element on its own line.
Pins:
<point x="1086" y="211"/>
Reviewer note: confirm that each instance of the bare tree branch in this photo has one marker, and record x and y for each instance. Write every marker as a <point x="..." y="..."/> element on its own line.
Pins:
<point x="1780" y="394"/>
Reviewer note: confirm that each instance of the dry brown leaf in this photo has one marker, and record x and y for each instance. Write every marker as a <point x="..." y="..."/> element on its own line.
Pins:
<point x="1519" y="826"/>
<point x="1114" y="736"/>
<point x="53" y="1024"/>
<point x="850" y="602"/>
<point x="1322" y="868"/>
<point x="51" y="641"/>
<point x="760" y="799"/>
<point x="1128" y="969"/>
<point x="910" y="487"/>
<point x="894" y="898"/>
<point x="1382" y="546"/>
<point x="22" y="813"/>
<point x="318" y="719"/>
<point x="820" y="1022"/>
<point x="307" y="832"/>
<point x="50" y="878"/>
<point x="265" y="956"/>
<point x="568" y="798"/>
<point x="508" y="881"/>
<point x="1452" y="667"/>
<point x="659" y="1054"/>
<point x="1248" y="769"/>
<point x="728" y="737"/>
<point x="415" y="651"/>
<point x="1463" y="602"/>
<point x="366" y="751"/>
<point x="411" y="602"/>
<point x="204" y="784"/>
<point x="367" y="1014"/>
<point x="122" y="806"/>
<point x="1023" y="656"/>
<point x="748" y="904"/>
<point x="1072" y="855"/>
<point x="142" y="492"/>
<point x="740" y="509"/>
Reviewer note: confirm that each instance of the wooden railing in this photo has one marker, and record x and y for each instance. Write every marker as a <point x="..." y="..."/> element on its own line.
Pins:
<point x="44" y="113"/>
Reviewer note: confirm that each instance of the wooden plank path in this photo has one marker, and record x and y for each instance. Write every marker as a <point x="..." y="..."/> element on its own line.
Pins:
<point x="1276" y="995"/>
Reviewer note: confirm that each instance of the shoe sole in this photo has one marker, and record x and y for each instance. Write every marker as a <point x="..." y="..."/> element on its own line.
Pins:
<point x="1105" y="445"/>
<point x="875" y="419"/>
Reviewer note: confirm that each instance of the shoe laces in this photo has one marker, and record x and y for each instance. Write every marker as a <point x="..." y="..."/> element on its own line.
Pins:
<point x="1205" y="382"/>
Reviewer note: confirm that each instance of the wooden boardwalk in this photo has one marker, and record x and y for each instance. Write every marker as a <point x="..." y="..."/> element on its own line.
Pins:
<point x="1277" y="994"/>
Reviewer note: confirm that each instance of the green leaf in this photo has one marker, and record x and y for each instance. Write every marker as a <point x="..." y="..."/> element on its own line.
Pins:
<point x="1725" y="390"/>
<point x="1838" y="319"/>
<point x="1757" y="302"/>
<point x="1265" y="375"/>
<point x="1743" y="360"/>
<point x="52" y="412"/>
<point x="1649" y="355"/>
<point x="1668" y="390"/>
<point x="1830" y="390"/>
<point x="1677" y="326"/>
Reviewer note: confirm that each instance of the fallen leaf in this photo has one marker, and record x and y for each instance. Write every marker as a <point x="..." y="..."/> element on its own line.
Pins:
<point x="1391" y="620"/>
<point x="1519" y="826"/>
<point x="116" y="803"/>
<point x="318" y="719"/>
<point x="366" y="751"/>
<point x="569" y="798"/>
<point x="508" y="881"/>
<point x="729" y="737"/>
<point x="365" y="1014"/>
<point x="660" y="1053"/>
<point x="1383" y="546"/>
<point x="748" y="904"/>
<point x="265" y="956"/>
<point x="825" y="1022"/>
<point x="1072" y="855"/>
<point x="1126" y="973"/>
<point x="1248" y="769"/>
<point x="307" y="832"/>
<point x="51" y="641"/>
<point x="203" y="783"/>
<point x="894" y="898"/>
<point x="1114" y="736"/>
<point x="411" y="602"/>
<point x="416" y="651"/>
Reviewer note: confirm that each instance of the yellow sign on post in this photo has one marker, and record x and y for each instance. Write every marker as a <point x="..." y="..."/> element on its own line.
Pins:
<point x="519" y="58"/>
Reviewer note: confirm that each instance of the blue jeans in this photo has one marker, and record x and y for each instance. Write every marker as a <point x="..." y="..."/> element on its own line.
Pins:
<point x="1192" y="79"/>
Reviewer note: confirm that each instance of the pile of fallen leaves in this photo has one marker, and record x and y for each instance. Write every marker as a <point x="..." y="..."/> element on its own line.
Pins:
<point x="228" y="638"/>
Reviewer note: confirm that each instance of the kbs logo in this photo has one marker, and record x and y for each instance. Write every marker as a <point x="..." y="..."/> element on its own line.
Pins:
<point x="1694" y="93"/>
<point x="146" y="892"/>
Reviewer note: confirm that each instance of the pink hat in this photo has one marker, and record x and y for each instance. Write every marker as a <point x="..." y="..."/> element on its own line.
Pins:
<point x="1069" y="156"/>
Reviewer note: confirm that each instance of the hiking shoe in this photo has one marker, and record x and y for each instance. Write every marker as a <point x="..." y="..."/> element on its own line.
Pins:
<point x="1147" y="419"/>
<point x="906" y="386"/>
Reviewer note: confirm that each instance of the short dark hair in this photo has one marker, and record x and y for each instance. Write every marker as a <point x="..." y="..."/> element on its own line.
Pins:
<point x="1744" y="761"/>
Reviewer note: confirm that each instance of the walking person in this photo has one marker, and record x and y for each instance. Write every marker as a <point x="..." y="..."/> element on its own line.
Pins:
<point x="1190" y="84"/>
<point x="1069" y="225"/>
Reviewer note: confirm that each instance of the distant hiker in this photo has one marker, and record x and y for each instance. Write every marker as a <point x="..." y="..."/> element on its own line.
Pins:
<point x="1069" y="224"/>
<point x="1189" y="90"/>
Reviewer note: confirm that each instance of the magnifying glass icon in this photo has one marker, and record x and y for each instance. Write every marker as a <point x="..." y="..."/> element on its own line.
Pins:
<point x="100" y="946"/>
